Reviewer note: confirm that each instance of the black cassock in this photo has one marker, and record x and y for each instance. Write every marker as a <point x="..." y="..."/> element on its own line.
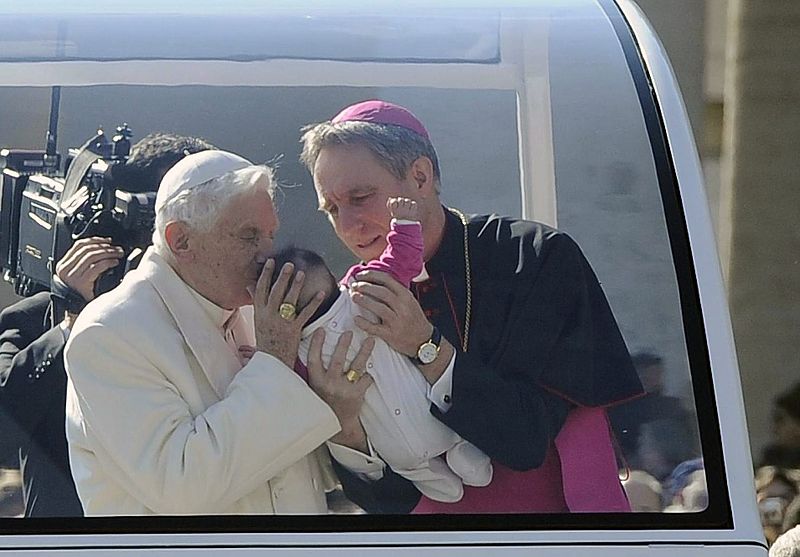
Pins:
<point x="542" y="339"/>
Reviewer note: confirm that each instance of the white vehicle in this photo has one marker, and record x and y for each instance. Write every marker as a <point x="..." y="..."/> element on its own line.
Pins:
<point x="561" y="111"/>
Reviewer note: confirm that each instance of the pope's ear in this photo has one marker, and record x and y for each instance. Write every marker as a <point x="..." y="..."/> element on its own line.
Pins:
<point x="177" y="236"/>
<point x="422" y="174"/>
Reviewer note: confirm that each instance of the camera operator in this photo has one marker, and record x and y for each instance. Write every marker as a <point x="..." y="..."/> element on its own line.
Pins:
<point x="33" y="381"/>
<point x="32" y="338"/>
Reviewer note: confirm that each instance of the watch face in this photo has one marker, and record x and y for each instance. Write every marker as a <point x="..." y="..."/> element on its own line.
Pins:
<point x="427" y="352"/>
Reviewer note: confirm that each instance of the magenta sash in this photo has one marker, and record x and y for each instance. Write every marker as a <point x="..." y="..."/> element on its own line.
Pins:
<point x="579" y="474"/>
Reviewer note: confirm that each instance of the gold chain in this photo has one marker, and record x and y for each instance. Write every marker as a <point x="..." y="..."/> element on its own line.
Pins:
<point x="467" y="273"/>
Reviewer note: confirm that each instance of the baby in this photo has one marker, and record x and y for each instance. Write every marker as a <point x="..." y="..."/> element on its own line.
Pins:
<point x="396" y="412"/>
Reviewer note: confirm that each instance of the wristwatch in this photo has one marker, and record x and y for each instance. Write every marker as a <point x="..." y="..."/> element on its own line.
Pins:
<point x="428" y="351"/>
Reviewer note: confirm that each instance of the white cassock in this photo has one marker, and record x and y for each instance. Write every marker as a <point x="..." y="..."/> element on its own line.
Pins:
<point x="163" y="419"/>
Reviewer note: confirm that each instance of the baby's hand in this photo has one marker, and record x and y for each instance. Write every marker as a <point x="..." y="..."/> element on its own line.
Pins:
<point x="246" y="352"/>
<point x="403" y="208"/>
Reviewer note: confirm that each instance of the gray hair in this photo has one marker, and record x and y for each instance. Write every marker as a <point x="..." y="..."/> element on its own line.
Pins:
<point x="201" y="205"/>
<point x="787" y="544"/>
<point x="395" y="147"/>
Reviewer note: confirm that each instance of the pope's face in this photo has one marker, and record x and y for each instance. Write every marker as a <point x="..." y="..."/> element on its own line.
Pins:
<point x="227" y="259"/>
<point x="352" y="189"/>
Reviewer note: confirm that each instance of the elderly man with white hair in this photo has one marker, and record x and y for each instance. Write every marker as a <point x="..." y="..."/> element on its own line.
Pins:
<point x="163" y="417"/>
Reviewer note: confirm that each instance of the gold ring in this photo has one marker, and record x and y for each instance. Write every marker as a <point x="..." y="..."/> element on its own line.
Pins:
<point x="353" y="375"/>
<point x="287" y="311"/>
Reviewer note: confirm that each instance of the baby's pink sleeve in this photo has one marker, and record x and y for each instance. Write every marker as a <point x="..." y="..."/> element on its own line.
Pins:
<point x="402" y="258"/>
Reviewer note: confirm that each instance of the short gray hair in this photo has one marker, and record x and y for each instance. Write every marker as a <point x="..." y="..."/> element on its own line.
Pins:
<point x="787" y="544"/>
<point x="201" y="205"/>
<point x="395" y="147"/>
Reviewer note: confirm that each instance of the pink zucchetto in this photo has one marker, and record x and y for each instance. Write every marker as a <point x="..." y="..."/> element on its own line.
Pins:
<point x="381" y="112"/>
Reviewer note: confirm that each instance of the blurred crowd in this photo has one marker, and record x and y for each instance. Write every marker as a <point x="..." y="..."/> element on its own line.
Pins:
<point x="659" y="438"/>
<point x="778" y="471"/>
<point x="664" y="471"/>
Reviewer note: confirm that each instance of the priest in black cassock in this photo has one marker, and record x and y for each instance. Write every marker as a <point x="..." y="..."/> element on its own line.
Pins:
<point x="507" y="323"/>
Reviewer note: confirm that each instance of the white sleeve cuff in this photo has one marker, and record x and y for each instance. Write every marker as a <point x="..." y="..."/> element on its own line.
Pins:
<point x="440" y="393"/>
<point x="405" y="221"/>
<point x="367" y="467"/>
<point x="65" y="330"/>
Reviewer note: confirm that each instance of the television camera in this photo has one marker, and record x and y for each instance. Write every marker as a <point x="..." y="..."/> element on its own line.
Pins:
<point x="45" y="206"/>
